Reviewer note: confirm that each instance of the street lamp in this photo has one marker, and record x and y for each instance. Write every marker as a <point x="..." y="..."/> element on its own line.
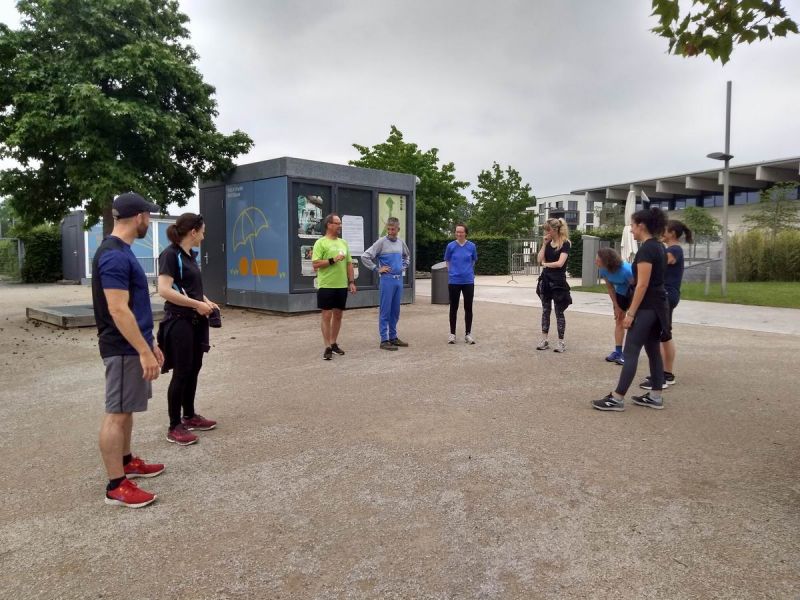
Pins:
<point x="726" y="156"/>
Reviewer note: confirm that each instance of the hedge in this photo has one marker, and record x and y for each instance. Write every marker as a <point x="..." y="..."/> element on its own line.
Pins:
<point x="759" y="256"/>
<point x="492" y="254"/>
<point x="42" y="262"/>
<point x="575" y="260"/>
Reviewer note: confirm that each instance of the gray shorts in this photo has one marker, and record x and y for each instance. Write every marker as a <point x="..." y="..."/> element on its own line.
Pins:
<point x="126" y="389"/>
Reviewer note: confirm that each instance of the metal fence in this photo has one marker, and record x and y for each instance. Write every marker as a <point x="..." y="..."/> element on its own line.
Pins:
<point x="12" y="253"/>
<point x="522" y="257"/>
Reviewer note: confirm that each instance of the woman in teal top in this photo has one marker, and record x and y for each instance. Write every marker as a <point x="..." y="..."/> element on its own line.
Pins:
<point x="618" y="276"/>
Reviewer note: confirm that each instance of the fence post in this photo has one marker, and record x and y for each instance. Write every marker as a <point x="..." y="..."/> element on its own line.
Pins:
<point x="708" y="280"/>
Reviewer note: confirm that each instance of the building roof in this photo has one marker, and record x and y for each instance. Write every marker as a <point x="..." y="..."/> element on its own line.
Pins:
<point x="751" y="176"/>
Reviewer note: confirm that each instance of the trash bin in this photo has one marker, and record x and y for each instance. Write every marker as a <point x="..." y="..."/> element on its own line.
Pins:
<point x="439" y="291"/>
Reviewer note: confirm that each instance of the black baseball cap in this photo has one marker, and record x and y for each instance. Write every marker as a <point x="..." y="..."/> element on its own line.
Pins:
<point x="131" y="204"/>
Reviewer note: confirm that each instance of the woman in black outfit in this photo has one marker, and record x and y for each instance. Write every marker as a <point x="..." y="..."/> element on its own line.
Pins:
<point x="552" y="288"/>
<point x="183" y="333"/>
<point x="647" y="318"/>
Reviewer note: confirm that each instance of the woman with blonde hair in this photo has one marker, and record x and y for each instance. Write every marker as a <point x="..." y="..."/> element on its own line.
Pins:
<point x="553" y="289"/>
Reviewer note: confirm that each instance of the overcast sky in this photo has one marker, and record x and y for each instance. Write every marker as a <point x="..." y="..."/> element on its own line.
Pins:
<point x="571" y="93"/>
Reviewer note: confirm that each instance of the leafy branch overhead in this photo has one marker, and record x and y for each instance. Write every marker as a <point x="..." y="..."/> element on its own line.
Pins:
<point x="103" y="96"/>
<point x="715" y="27"/>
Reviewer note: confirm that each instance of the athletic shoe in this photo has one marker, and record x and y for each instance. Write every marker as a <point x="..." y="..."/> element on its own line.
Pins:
<point x="399" y="343"/>
<point x="647" y="401"/>
<point x="128" y="494"/>
<point x="609" y="403"/>
<point x="328" y="354"/>
<point x="138" y="468"/>
<point x="647" y="384"/>
<point x="198" y="423"/>
<point x="543" y="345"/>
<point x="620" y="360"/>
<point x="469" y="339"/>
<point x="181" y="436"/>
<point x="613" y="356"/>
<point x="451" y="339"/>
<point x="387" y="345"/>
<point x="560" y="346"/>
<point x="335" y="348"/>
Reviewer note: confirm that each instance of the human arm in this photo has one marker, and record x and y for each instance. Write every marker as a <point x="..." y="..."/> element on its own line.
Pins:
<point x="125" y="321"/>
<point x="643" y="272"/>
<point x="170" y="294"/>
<point x="540" y="255"/>
<point x="562" y="257"/>
<point x="671" y="259"/>
<point x="370" y="256"/>
<point x="612" y="293"/>
<point x="351" y="280"/>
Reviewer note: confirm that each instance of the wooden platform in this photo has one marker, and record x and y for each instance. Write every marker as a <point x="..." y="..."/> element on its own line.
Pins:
<point x="75" y="315"/>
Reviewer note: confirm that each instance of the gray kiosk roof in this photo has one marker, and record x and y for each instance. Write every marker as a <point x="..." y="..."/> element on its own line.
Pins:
<point x="321" y="171"/>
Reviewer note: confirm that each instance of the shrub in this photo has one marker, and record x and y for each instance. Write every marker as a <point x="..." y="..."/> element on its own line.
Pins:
<point x="42" y="262"/>
<point x="575" y="259"/>
<point x="492" y="254"/>
<point x="759" y="256"/>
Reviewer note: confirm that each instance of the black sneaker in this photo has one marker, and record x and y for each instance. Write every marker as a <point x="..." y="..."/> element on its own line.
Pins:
<point x="328" y="354"/>
<point x="647" y="384"/>
<point x="647" y="401"/>
<point x="399" y="343"/>
<point x="609" y="403"/>
<point x="337" y="350"/>
<point x="387" y="345"/>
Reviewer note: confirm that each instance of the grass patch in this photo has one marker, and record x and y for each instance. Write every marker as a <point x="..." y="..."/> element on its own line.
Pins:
<point x="783" y="294"/>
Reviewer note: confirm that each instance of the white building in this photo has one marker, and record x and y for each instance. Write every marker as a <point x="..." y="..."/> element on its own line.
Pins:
<point x="578" y="210"/>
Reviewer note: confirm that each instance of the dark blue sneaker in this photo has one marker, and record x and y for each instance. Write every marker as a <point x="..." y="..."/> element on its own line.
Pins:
<point x="649" y="402"/>
<point x="616" y="357"/>
<point x="609" y="403"/>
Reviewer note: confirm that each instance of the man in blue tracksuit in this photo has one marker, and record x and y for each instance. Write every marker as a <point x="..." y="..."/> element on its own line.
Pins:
<point x="389" y="257"/>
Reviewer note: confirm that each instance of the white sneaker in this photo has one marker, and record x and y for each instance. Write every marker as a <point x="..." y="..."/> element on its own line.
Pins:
<point x="451" y="339"/>
<point x="560" y="346"/>
<point x="469" y="339"/>
<point x="543" y="345"/>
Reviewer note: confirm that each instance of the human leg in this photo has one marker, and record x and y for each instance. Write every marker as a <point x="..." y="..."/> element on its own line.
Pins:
<point x="336" y="325"/>
<point x="547" y="308"/>
<point x="397" y="295"/>
<point x="454" y="290"/>
<point x="114" y="431"/>
<point x="325" y="326"/>
<point x="469" y="293"/>
<point x="634" y="341"/>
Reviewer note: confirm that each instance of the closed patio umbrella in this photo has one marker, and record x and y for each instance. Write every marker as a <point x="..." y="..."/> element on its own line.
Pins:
<point x="629" y="245"/>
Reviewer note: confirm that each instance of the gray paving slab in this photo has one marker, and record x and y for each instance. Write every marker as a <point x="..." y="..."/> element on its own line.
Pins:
<point x="692" y="312"/>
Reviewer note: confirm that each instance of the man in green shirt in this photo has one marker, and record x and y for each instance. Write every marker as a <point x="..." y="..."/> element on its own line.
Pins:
<point x="331" y="260"/>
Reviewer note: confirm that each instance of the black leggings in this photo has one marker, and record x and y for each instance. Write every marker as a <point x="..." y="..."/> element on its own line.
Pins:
<point x="456" y="289"/>
<point x="187" y="360"/>
<point x="645" y="331"/>
<point x="561" y="321"/>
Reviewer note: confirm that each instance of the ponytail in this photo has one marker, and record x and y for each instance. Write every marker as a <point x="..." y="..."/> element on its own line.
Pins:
<point x="653" y="219"/>
<point x="183" y="226"/>
<point x="680" y="230"/>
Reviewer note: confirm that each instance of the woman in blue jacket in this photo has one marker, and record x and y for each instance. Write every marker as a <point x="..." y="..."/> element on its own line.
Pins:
<point x="461" y="256"/>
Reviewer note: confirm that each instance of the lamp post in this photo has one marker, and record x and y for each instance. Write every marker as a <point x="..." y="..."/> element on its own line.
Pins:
<point x="726" y="156"/>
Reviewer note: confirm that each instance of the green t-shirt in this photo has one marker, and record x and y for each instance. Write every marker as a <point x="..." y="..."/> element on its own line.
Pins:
<point x="335" y="275"/>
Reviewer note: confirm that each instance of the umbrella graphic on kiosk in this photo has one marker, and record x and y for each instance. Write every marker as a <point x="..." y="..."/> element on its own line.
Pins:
<point x="629" y="244"/>
<point x="247" y="227"/>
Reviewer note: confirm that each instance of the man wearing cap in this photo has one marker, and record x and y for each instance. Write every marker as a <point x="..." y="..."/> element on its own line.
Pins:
<point x="389" y="257"/>
<point x="132" y="360"/>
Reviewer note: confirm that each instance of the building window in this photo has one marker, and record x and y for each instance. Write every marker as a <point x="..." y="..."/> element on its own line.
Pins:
<point x="571" y="217"/>
<point x="559" y="205"/>
<point x="588" y="227"/>
<point x="691" y="201"/>
<point x="572" y="204"/>
<point x="680" y="203"/>
<point x="589" y="218"/>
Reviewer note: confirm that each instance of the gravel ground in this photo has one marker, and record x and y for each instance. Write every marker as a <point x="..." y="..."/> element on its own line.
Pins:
<point x="436" y="471"/>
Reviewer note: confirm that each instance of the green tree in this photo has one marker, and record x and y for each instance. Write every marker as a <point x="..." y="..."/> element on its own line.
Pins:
<point x="438" y="192"/>
<point x="704" y="227"/>
<point x="100" y="97"/>
<point x="715" y="26"/>
<point x="776" y="211"/>
<point x="612" y="215"/>
<point x="500" y="202"/>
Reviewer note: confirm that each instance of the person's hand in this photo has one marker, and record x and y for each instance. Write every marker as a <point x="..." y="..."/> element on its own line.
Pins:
<point x="150" y="368"/>
<point x="547" y="238"/>
<point x="618" y="313"/>
<point x="339" y="257"/>
<point x="213" y="304"/>
<point x="203" y="309"/>
<point x="353" y="288"/>
<point x="384" y="269"/>
<point x="627" y="322"/>
<point x="159" y="355"/>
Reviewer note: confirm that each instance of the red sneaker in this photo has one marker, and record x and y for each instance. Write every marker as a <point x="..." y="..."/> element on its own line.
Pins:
<point x="181" y="436"/>
<point x="128" y="494"/>
<point x="138" y="468"/>
<point x="199" y="423"/>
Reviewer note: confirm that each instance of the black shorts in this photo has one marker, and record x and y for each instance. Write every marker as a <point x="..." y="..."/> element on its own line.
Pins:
<point x="624" y="301"/>
<point x="331" y="298"/>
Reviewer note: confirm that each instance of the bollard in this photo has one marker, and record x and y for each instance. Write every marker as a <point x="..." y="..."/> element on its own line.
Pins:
<point x="708" y="279"/>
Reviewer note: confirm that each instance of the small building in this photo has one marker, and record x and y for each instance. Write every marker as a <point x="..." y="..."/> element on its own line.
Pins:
<point x="575" y="209"/>
<point x="262" y="221"/>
